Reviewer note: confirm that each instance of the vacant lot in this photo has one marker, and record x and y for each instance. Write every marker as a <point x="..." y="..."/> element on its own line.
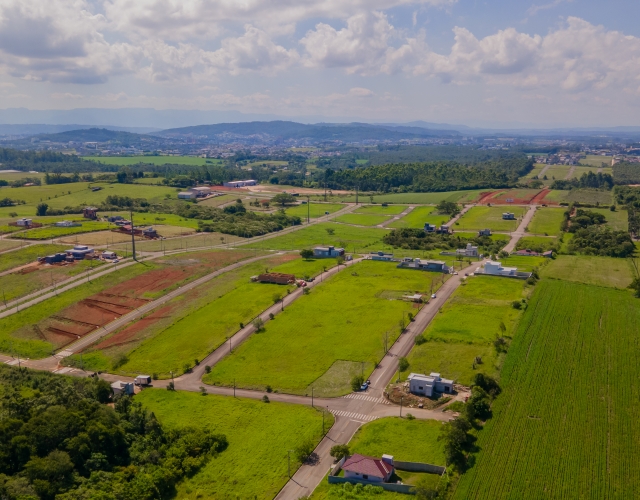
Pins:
<point x="592" y="196"/>
<point x="216" y="201"/>
<point x="354" y="239"/>
<point x="8" y="245"/>
<point x="335" y="322"/>
<point x="466" y="327"/>
<point x="259" y="434"/>
<point x="524" y="263"/>
<point x="557" y="172"/>
<point x="547" y="221"/>
<point x="362" y="220"/>
<point x="315" y="210"/>
<point x="596" y="160"/>
<point x="618" y="220"/>
<point x="153" y="160"/>
<point x="565" y="425"/>
<point x="419" y="216"/>
<point x="48" y="233"/>
<point x="380" y="210"/>
<point x="539" y="243"/>
<point x="28" y="254"/>
<point x="422" y="198"/>
<point x="601" y="271"/>
<point x="483" y="217"/>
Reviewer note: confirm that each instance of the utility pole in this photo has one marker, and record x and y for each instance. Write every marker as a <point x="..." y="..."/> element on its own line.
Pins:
<point x="133" y="238"/>
<point x="308" y="208"/>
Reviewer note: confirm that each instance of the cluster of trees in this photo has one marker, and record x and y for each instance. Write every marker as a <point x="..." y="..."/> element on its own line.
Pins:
<point x="59" y="440"/>
<point x="8" y="202"/>
<point x="123" y="202"/>
<point x="603" y="241"/>
<point x="21" y="182"/>
<point x="585" y="218"/>
<point x="630" y="198"/>
<point x="58" y="178"/>
<point x="448" y="207"/>
<point x="626" y="173"/>
<point x="588" y="180"/>
<point x="418" y="239"/>
<point x="42" y="161"/>
<point x="427" y="177"/>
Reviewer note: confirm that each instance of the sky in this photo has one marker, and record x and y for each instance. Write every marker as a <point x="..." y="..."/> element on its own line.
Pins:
<point x="548" y="63"/>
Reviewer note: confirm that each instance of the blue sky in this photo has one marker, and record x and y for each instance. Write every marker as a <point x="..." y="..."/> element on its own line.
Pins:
<point x="549" y="63"/>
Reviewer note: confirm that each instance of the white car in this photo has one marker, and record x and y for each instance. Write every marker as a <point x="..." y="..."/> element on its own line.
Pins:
<point x="433" y="295"/>
<point x="455" y="273"/>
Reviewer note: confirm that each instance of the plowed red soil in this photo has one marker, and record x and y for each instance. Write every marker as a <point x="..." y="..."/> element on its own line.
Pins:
<point x="539" y="198"/>
<point x="130" y="332"/>
<point x="485" y="196"/>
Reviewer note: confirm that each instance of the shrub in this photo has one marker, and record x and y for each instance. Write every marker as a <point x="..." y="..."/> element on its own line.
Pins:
<point x="269" y="389"/>
<point x="410" y="417"/>
<point x="305" y="450"/>
<point x="258" y="324"/>
<point x="516" y="304"/>
<point x="339" y="451"/>
<point x="403" y="364"/>
<point x="207" y="369"/>
<point x="265" y="399"/>
<point x="203" y="390"/>
<point x="271" y="316"/>
<point x="420" y="339"/>
<point x="306" y="291"/>
<point x="186" y="368"/>
<point x="356" y="382"/>
<point x="171" y="386"/>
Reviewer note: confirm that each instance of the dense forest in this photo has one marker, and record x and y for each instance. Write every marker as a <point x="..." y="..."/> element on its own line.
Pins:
<point x="626" y="173"/>
<point x="629" y="197"/>
<point x="588" y="180"/>
<point x="59" y="440"/>
<point x="41" y="161"/>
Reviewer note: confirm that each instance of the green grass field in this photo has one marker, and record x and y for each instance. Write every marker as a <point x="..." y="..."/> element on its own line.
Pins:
<point x="600" y="271"/>
<point x="618" y="220"/>
<point x="361" y="219"/>
<point x="547" y="221"/>
<point x="315" y="210"/>
<point x="557" y="172"/>
<point x="48" y="233"/>
<point x="483" y="217"/>
<point x="420" y="198"/>
<point x="419" y="216"/>
<point x="537" y="168"/>
<point x="333" y="323"/>
<point x="354" y="239"/>
<point x="592" y="196"/>
<point x="14" y="176"/>
<point x="153" y="160"/>
<point x="259" y="434"/>
<point x="380" y="210"/>
<point x="596" y="160"/>
<point x="9" y="245"/>
<point x="28" y="254"/>
<point x="524" y="263"/>
<point x="565" y="426"/>
<point x="539" y="243"/>
<point x="218" y="200"/>
<point x="466" y="327"/>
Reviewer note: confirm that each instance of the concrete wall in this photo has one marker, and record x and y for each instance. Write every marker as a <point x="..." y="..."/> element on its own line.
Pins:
<point x="419" y="467"/>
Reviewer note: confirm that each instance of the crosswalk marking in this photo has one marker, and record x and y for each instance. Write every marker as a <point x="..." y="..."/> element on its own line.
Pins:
<point x="354" y="416"/>
<point x="66" y="369"/>
<point x="367" y="398"/>
<point x="12" y="362"/>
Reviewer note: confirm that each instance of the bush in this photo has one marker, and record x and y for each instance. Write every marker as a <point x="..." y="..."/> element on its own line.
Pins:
<point x="207" y="369"/>
<point x="420" y="339"/>
<point x="258" y="324"/>
<point x="265" y="399"/>
<point x="403" y="364"/>
<point x="271" y="316"/>
<point x="203" y="390"/>
<point x="356" y="382"/>
<point x="339" y="451"/>
<point x="516" y="304"/>
<point x="305" y="450"/>
<point x="269" y="389"/>
<point x="410" y="417"/>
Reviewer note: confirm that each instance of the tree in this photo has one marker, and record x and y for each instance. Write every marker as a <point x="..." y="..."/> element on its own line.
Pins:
<point x="339" y="451"/>
<point x="41" y="209"/>
<point x="330" y="231"/>
<point x="258" y="324"/>
<point x="403" y="364"/>
<point x="305" y="450"/>
<point x="635" y="285"/>
<point x="306" y="254"/>
<point x="283" y="199"/>
<point x="489" y="384"/>
<point x="276" y="298"/>
<point x="356" y="382"/>
<point x="448" y="207"/>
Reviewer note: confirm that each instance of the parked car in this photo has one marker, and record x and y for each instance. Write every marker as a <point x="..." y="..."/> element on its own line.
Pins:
<point x="364" y="386"/>
<point x="455" y="273"/>
<point x="433" y="295"/>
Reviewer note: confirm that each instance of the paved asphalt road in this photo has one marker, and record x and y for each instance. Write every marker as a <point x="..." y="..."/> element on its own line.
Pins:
<point x="521" y="231"/>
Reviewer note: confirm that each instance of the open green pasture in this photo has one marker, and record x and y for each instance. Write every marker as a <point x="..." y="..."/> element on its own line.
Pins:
<point x="537" y="168"/>
<point x="315" y="210"/>
<point x="152" y="219"/>
<point x="618" y="220"/>
<point x="361" y="219"/>
<point x="356" y="239"/>
<point x="547" y="221"/>
<point x="421" y="198"/>
<point x="259" y="434"/>
<point x="590" y="270"/>
<point x="524" y="262"/>
<point x="540" y="243"/>
<point x="596" y="160"/>
<point x="565" y="426"/>
<point x="216" y="201"/>
<point x="419" y="216"/>
<point x="28" y="254"/>
<point x="334" y="323"/>
<point x="14" y="176"/>
<point x="466" y="327"/>
<point x="380" y="210"/>
<point x="153" y="160"/>
<point x="9" y="245"/>
<point x="495" y="236"/>
<point x="483" y="217"/>
<point x="557" y="172"/>
<point x="592" y="196"/>
<point x="50" y="232"/>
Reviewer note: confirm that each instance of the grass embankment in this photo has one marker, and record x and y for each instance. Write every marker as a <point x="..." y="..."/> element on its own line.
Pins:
<point x="419" y="216"/>
<point x="466" y="327"/>
<point x="260" y="434"/>
<point x="566" y="422"/>
<point x="362" y="219"/>
<point x="354" y="239"/>
<point x="380" y="210"/>
<point x="28" y="254"/>
<point x="345" y="319"/>
<point x="547" y="221"/>
<point x="48" y="233"/>
<point x="208" y="315"/>
<point x="315" y="210"/>
<point x="483" y="217"/>
<point x="600" y="271"/>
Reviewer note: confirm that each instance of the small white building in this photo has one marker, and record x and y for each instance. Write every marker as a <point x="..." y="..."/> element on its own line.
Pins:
<point x="201" y="191"/>
<point x="108" y="254"/>
<point x="240" y="184"/>
<point x="426" y="385"/>
<point x="495" y="268"/>
<point x="484" y="232"/>
<point x="67" y="223"/>
<point x="187" y="195"/>
<point x="120" y="387"/>
<point x="23" y="222"/>
<point x="469" y="251"/>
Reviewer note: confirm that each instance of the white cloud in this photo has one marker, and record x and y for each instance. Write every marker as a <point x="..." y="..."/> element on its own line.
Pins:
<point x="66" y="95"/>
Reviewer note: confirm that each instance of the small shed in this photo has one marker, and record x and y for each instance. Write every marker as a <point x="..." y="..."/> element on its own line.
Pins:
<point x="23" y="222"/>
<point x="108" y="254"/>
<point x="329" y="251"/>
<point x="120" y="387"/>
<point x="277" y="278"/>
<point x="484" y="232"/>
<point x="142" y="380"/>
<point x="80" y="252"/>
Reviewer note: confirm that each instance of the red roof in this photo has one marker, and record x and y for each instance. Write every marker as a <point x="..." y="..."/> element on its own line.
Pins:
<point x="370" y="466"/>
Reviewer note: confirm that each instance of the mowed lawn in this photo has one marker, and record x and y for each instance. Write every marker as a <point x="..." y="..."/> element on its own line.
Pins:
<point x="353" y="238"/>
<point x="48" y="233"/>
<point x="566" y="424"/>
<point x="28" y="254"/>
<point x="419" y="216"/>
<point x="547" y="221"/>
<point x="380" y="210"/>
<point x="254" y="465"/>
<point x="618" y="220"/>
<point x="346" y="318"/>
<point x="483" y="217"/>
<point x="315" y="210"/>
<point x="361" y="219"/>
<point x="590" y="270"/>
<point x="466" y="327"/>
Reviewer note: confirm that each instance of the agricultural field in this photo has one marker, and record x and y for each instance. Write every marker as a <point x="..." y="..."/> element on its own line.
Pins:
<point x="482" y="217"/>
<point x="547" y="221"/>
<point x="519" y="196"/>
<point x="14" y="176"/>
<point x="420" y="198"/>
<point x="200" y="240"/>
<point x="466" y="328"/>
<point x="590" y="270"/>
<point x="298" y="349"/>
<point x="361" y="219"/>
<point x="578" y="171"/>
<point x="315" y="210"/>
<point x="524" y="262"/>
<point x="565" y="426"/>
<point x="537" y="168"/>
<point x="254" y="465"/>
<point x="618" y="220"/>
<point x="419" y="216"/>
<point x="210" y="313"/>
<point x="51" y="232"/>
<point x="380" y="210"/>
<point x="353" y="239"/>
<point x="592" y="196"/>
<point x="153" y="160"/>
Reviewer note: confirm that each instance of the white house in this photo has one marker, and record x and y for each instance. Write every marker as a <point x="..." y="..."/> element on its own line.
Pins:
<point x="187" y="195"/>
<point x="120" y="387"/>
<point x="23" y="222"/>
<point x="426" y="385"/>
<point x="495" y="268"/>
<point x="470" y="251"/>
<point x="67" y="223"/>
<point x="370" y="469"/>
<point x="201" y="191"/>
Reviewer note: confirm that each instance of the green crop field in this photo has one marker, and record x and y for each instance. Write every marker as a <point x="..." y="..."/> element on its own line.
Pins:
<point x="420" y="198"/>
<point x="482" y="217"/>
<point x="315" y="210"/>
<point x="48" y="233"/>
<point x="601" y="271"/>
<point x="354" y="239"/>
<point x="539" y="243"/>
<point x="333" y="323"/>
<point x="419" y="216"/>
<point x="254" y="465"/>
<point x="618" y="220"/>
<point x="466" y="327"/>
<point x="537" y="168"/>
<point x="593" y="196"/>
<point x="28" y="254"/>
<point x="380" y="210"/>
<point x="547" y="221"/>
<point x="361" y="219"/>
<point x="565" y="426"/>
<point x="153" y="160"/>
<point x="210" y="313"/>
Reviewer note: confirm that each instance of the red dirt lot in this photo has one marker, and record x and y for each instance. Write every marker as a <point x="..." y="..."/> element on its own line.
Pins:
<point x="539" y="198"/>
<point x="485" y="196"/>
<point x="519" y="197"/>
<point x="130" y="333"/>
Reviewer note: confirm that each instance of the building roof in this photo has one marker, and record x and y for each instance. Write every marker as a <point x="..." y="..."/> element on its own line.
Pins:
<point x="370" y="466"/>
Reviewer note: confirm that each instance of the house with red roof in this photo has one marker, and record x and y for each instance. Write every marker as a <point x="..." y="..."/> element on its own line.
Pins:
<point x="370" y="469"/>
